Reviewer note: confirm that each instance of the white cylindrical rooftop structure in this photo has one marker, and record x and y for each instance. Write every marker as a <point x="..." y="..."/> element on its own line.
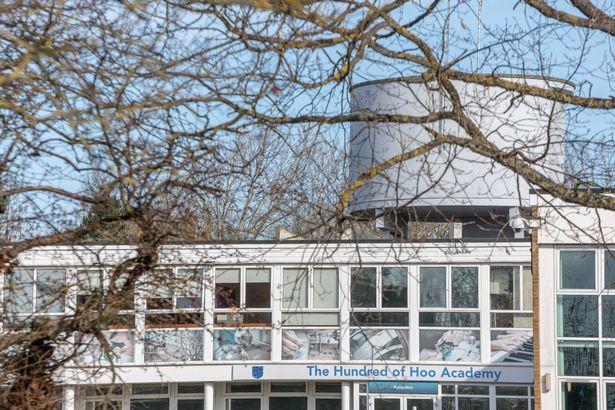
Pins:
<point x="451" y="181"/>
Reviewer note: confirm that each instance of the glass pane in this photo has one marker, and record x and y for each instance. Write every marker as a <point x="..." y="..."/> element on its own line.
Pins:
<point x="183" y="388"/>
<point x="513" y="346"/>
<point x="245" y="404"/>
<point x="89" y="281"/>
<point x="610" y="396"/>
<point x="511" y="320"/>
<point x="326" y="288"/>
<point x="511" y="390"/>
<point x="242" y="344"/>
<point x="310" y="319"/>
<point x="101" y="405"/>
<point x="20" y="291"/>
<point x="363" y="287"/>
<point x="577" y="269"/>
<point x="387" y="404"/>
<point x="328" y="387"/>
<point x="608" y="316"/>
<point x="512" y="404"/>
<point x="160" y="289"/>
<point x="173" y="345"/>
<point x="448" y="403"/>
<point x="149" y="404"/>
<point x="466" y="389"/>
<point x="190" y="404"/>
<point x="149" y="389"/>
<point x="288" y="387"/>
<point x="329" y="404"/>
<point x="295" y="287"/>
<point x="576" y="358"/>
<point x="449" y="319"/>
<point x="608" y="359"/>
<point x="382" y="344"/>
<point x="419" y="404"/>
<point x="311" y="344"/>
<point x="189" y="285"/>
<point x="449" y="345"/>
<point x="579" y="396"/>
<point x="258" y="288"/>
<point x="609" y="269"/>
<point x="228" y="288"/>
<point x="433" y="287"/>
<point x="527" y="288"/>
<point x="464" y="287"/>
<point x="287" y="403"/>
<point x="473" y="403"/>
<point x="243" y="387"/>
<point x="50" y="289"/>
<point x="396" y="319"/>
<point x="394" y="287"/>
<point x="505" y="288"/>
<point x="577" y="316"/>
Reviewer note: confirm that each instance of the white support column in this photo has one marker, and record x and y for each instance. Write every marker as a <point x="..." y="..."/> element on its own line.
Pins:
<point x="346" y="395"/>
<point x="140" y="305"/>
<point x="344" y="289"/>
<point x="413" y="291"/>
<point x="485" y="315"/>
<point x="276" y="313"/>
<point x="208" y="307"/>
<point x="69" y="398"/>
<point x="209" y="396"/>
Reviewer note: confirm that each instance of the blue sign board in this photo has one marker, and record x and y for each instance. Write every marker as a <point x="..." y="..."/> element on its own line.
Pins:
<point x="403" y="387"/>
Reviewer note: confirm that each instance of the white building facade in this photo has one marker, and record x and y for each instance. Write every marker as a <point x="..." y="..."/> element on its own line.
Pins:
<point x="302" y="325"/>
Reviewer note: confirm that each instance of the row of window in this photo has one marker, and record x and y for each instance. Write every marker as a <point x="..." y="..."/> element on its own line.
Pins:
<point x="452" y="288"/>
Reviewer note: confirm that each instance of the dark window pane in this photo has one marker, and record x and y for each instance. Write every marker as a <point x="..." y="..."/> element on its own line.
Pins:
<point x="577" y="358"/>
<point x="228" y="288"/>
<point x="448" y="403"/>
<point x="149" y="404"/>
<point x="448" y="388"/>
<point x="328" y="387"/>
<point x="190" y="404"/>
<point x="433" y="287"/>
<point x="149" y="389"/>
<point x="99" y="405"/>
<point x="288" y="387"/>
<point x="243" y="387"/>
<point x="511" y="390"/>
<point x="579" y="396"/>
<point x="577" y="269"/>
<point x="473" y="403"/>
<point x="288" y="403"/>
<point x="419" y="404"/>
<point x="511" y="404"/>
<point x="609" y="269"/>
<point x="473" y="390"/>
<point x="363" y="285"/>
<point x="522" y="320"/>
<point x="328" y="404"/>
<point x="245" y="404"/>
<point x="394" y="287"/>
<point x="184" y="388"/>
<point x="577" y="316"/>
<point x="379" y="319"/>
<point x="387" y="404"/>
<point x="608" y="316"/>
<point x="608" y="359"/>
<point x="449" y="319"/>
<point x="258" y="288"/>
<point x="505" y="288"/>
<point x="362" y="402"/>
<point x="610" y="396"/>
<point x="464" y="287"/>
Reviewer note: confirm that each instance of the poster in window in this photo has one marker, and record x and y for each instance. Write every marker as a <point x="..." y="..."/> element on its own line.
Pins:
<point x="242" y="344"/>
<point x="89" y="350"/>
<point x="379" y="344"/>
<point x="457" y="345"/>
<point x="182" y="345"/>
<point x="310" y="344"/>
<point x="512" y="346"/>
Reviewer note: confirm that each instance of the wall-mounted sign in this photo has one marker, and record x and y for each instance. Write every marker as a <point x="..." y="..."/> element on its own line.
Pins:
<point x="403" y="387"/>
<point x="401" y="372"/>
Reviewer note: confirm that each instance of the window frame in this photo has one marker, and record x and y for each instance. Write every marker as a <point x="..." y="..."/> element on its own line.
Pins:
<point x="175" y="295"/>
<point x="242" y="288"/>
<point x="310" y="290"/>
<point x="449" y="289"/>
<point x="379" y="294"/>
<point x="598" y="268"/>
<point x="34" y="291"/>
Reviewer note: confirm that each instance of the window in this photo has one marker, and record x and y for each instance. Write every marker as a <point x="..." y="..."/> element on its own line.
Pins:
<point x="313" y="288"/>
<point x="89" y="285"/>
<point x="455" y="289"/>
<point x="510" y="289"/>
<point x="103" y="398"/>
<point x="577" y="269"/>
<point x="244" y="288"/>
<point x="153" y="397"/>
<point x="579" y="396"/>
<point x="450" y="335"/>
<point x="175" y="288"/>
<point x="513" y="398"/>
<point x="385" y="287"/>
<point x="173" y="337"/>
<point x="609" y="269"/>
<point x="35" y="290"/>
<point x="577" y="315"/>
<point x="470" y="397"/>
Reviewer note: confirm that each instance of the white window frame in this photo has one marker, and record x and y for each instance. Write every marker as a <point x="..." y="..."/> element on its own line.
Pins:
<point x="378" y="306"/>
<point x="242" y="288"/>
<point x="449" y="289"/>
<point x="310" y="290"/>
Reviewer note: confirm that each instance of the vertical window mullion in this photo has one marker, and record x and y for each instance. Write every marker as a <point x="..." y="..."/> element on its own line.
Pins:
<point x="242" y="287"/>
<point x="310" y="289"/>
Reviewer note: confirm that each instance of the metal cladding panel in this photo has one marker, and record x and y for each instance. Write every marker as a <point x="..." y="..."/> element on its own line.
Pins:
<point x="450" y="176"/>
